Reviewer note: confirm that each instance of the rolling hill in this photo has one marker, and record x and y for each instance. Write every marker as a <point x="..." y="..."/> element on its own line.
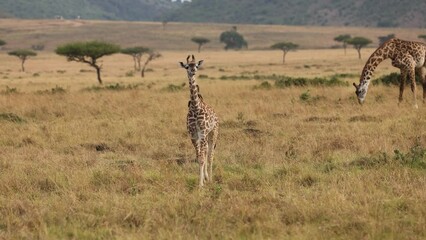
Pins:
<point x="364" y="13"/>
<point x="390" y="13"/>
<point x="146" y="10"/>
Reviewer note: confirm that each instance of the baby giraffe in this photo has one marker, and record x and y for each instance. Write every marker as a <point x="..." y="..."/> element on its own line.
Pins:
<point x="202" y="123"/>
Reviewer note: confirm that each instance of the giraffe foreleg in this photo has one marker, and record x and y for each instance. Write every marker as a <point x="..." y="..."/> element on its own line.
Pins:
<point x="202" y="161"/>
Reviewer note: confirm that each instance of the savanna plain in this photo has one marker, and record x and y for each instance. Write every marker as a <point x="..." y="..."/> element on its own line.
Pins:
<point x="83" y="161"/>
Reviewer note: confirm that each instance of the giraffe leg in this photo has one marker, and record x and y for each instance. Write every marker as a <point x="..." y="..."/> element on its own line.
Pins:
<point x="212" y="145"/>
<point x="402" y="78"/>
<point x="199" y="156"/>
<point x="412" y="77"/>
<point x="422" y="73"/>
<point x="202" y="161"/>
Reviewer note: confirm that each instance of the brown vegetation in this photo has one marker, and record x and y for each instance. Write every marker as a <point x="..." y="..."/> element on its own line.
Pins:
<point x="79" y="161"/>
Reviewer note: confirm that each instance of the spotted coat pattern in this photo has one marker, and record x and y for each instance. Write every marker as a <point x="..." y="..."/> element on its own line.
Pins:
<point x="408" y="56"/>
<point x="202" y="123"/>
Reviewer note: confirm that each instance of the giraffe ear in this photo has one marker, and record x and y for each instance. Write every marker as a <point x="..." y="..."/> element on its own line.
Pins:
<point x="182" y="64"/>
<point x="200" y="62"/>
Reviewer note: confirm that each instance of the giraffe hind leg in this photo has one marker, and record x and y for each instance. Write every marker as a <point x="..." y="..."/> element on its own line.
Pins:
<point x="422" y="74"/>
<point x="403" y="76"/>
<point x="412" y="77"/>
<point x="212" y="145"/>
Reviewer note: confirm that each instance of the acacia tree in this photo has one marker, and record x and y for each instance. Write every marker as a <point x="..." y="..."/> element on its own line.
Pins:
<point x="359" y="43"/>
<point x="343" y="39"/>
<point x="88" y="52"/>
<point x="285" y="47"/>
<point x="22" y="54"/>
<point x="136" y="53"/>
<point x="151" y="56"/>
<point x="422" y="36"/>
<point x="200" y="41"/>
<point x="233" y="40"/>
<point x="2" y="42"/>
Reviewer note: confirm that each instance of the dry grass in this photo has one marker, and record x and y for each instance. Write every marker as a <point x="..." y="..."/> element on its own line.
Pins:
<point x="118" y="164"/>
<point x="176" y="36"/>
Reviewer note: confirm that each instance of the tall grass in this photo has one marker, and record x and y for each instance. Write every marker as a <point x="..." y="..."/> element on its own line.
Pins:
<point x="116" y="162"/>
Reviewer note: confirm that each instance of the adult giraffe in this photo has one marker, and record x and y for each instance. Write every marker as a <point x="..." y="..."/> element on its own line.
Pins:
<point x="408" y="56"/>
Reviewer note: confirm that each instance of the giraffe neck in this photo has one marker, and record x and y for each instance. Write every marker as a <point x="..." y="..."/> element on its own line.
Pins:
<point x="193" y="90"/>
<point x="383" y="52"/>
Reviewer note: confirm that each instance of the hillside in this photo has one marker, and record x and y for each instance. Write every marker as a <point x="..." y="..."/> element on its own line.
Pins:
<point x="391" y="13"/>
<point x="175" y="36"/>
<point x="87" y="9"/>
<point x="363" y="13"/>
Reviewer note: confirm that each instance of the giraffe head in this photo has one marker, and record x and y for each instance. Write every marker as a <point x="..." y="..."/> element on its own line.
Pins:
<point x="361" y="91"/>
<point x="191" y="66"/>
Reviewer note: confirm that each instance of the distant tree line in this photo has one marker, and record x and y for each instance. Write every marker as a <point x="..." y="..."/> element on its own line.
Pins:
<point x="90" y="52"/>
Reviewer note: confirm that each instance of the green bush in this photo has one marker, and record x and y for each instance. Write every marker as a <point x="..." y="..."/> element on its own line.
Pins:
<point x="415" y="158"/>
<point x="11" y="117"/>
<point x="393" y="79"/>
<point x="174" y="88"/>
<point x="264" y="85"/>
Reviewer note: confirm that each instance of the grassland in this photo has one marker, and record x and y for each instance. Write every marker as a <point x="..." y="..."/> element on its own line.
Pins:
<point x="82" y="162"/>
<point x="176" y="36"/>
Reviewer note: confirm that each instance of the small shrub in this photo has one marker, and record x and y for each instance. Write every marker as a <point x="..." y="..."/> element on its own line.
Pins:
<point x="58" y="89"/>
<point x="364" y="118"/>
<point x="235" y="77"/>
<point x="54" y="90"/>
<point x="415" y="158"/>
<point x="371" y="161"/>
<point x="307" y="181"/>
<point x="114" y="87"/>
<point x="11" y="117"/>
<point x="174" y="88"/>
<point x="216" y="191"/>
<point x="281" y="173"/>
<point x="9" y="90"/>
<point x="191" y="183"/>
<point x="264" y="85"/>
<point x="393" y="79"/>
<point x="305" y="96"/>
<point x="61" y="71"/>
<point x="130" y="74"/>
<point x="36" y="75"/>
<point x="203" y="76"/>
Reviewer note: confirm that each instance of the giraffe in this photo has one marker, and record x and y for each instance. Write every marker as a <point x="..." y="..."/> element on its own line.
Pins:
<point x="202" y="123"/>
<point x="408" y="56"/>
